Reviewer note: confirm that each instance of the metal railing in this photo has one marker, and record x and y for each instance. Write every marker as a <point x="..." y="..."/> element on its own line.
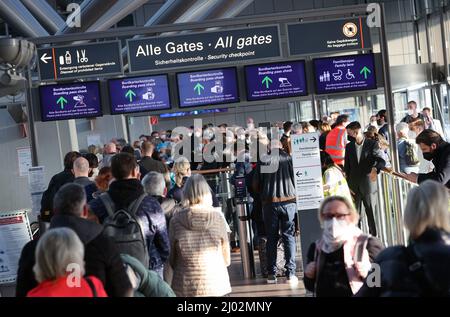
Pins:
<point x="390" y="201"/>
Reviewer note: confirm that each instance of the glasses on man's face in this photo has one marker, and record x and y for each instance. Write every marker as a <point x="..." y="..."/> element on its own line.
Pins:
<point x="337" y="216"/>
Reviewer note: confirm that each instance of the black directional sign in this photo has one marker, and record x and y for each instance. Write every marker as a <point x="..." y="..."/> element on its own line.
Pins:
<point x="328" y="36"/>
<point x="80" y="61"/>
<point x="203" y="48"/>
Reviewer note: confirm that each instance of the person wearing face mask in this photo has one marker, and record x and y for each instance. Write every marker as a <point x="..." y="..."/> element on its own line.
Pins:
<point x="434" y="149"/>
<point x="412" y="112"/>
<point x="363" y="161"/>
<point x="250" y="124"/>
<point x="383" y="124"/>
<point x="341" y="259"/>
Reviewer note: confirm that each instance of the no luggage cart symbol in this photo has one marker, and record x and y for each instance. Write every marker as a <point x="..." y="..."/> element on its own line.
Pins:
<point x="350" y="29"/>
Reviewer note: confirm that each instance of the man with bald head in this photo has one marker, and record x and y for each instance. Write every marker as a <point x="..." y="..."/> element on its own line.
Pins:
<point x="81" y="172"/>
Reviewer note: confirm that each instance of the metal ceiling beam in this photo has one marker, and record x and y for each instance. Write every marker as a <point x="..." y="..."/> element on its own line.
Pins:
<point x="42" y="11"/>
<point x="91" y="10"/>
<point x="116" y="13"/>
<point x="170" y="11"/>
<point x="329" y="13"/>
<point x="18" y="16"/>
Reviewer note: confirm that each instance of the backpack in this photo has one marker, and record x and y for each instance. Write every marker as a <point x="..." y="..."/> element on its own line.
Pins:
<point x="411" y="156"/>
<point x="125" y="229"/>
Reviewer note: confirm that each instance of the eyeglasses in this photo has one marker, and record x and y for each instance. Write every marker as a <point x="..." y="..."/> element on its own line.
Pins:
<point x="338" y="216"/>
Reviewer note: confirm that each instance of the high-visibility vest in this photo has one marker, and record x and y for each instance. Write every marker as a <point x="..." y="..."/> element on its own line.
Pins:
<point x="335" y="144"/>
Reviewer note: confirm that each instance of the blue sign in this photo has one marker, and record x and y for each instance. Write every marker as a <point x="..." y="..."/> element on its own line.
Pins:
<point x="345" y="73"/>
<point x="268" y="81"/>
<point x="70" y="101"/>
<point x="207" y="87"/>
<point x="137" y="94"/>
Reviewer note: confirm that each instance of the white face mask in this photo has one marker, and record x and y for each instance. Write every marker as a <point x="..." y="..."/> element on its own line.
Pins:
<point x="335" y="230"/>
<point x="250" y="126"/>
<point x="198" y="134"/>
<point x="410" y="112"/>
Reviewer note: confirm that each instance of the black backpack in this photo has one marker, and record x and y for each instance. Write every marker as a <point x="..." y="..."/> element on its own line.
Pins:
<point x="125" y="229"/>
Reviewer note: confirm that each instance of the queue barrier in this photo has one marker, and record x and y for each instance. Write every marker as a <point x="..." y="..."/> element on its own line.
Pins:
<point x="390" y="202"/>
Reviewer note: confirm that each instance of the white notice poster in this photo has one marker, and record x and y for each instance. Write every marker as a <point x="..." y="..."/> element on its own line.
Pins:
<point x="37" y="186"/>
<point x="15" y="232"/>
<point x="24" y="160"/>
<point x="307" y="170"/>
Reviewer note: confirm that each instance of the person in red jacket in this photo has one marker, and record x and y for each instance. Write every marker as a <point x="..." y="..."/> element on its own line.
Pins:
<point x="337" y="140"/>
<point x="59" y="267"/>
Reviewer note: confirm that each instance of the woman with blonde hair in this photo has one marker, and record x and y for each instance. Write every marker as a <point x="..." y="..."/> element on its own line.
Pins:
<point x="340" y="260"/>
<point x="182" y="170"/>
<point x="59" y="267"/>
<point x="422" y="268"/>
<point x="200" y="251"/>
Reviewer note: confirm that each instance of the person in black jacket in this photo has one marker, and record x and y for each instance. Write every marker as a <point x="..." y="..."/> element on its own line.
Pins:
<point x="274" y="180"/>
<point x="126" y="189"/>
<point x="340" y="260"/>
<point x="58" y="180"/>
<point x="101" y="255"/>
<point x="422" y="268"/>
<point x="363" y="161"/>
<point x="434" y="149"/>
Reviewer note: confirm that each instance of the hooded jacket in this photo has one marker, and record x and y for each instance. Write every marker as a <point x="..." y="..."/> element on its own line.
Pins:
<point x="101" y="256"/>
<point x="200" y="252"/>
<point x="150" y="214"/>
<point x="441" y="161"/>
<point x="432" y="250"/>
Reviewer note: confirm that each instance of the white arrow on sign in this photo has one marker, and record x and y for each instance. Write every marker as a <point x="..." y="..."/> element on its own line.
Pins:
<point x="44" y="58"/>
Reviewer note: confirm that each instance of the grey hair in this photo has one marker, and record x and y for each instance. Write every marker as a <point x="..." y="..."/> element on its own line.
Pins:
<point x="57" y="251"/>
<point x="70" y="200"/>
<point x="427" y="206"/>
<point x="81" y="165"/>
<point x="154" y="184"/>
<point x="402" y="126"/>
<point x="195" y="190"/>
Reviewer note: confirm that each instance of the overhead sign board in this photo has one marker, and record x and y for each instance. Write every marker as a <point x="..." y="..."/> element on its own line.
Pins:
<point x="203" y="48"/>
<point x="276" y="80"/>
<point x="307" y="170"/>
<point x="137" y="94"/>
<point x="328" y="36"/>
<point x="80" y="61"/>
<point x="208" y="87"/>
<point x="344" y="73"/>
<point x="70" y="101"/>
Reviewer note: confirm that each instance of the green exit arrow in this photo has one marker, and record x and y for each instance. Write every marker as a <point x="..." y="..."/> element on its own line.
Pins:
<point x="266" y="80"/>
<point x="130" y="94"/>
<point x="366" y="71"/>
<point x="61" y="102"/>
<point x="199" y="87"/>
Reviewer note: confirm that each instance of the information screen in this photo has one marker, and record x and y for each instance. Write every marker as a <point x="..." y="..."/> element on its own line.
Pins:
<point x="70" y="101"/>
<point x="345" y="73"/>
<point x="208" y="87"/>
<point x="268" y="81"/>
<point x="138" y="94"/>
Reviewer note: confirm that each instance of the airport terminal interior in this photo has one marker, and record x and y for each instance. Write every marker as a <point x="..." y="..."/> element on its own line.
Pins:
<point x="239" y="148"/>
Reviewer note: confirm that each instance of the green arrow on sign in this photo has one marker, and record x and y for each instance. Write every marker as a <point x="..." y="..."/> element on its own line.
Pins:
<point x="199" y="87"/>
<point x="266" y="80"/>
<point x="130" y="94"/>
<point x="366" y="71"/>
<point x="61" y="102"/>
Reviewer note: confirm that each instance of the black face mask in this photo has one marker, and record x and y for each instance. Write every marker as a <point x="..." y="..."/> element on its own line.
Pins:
<point x="379" y="122"/>
<point x="350" y="138"/>
<point x="428" y="156"/>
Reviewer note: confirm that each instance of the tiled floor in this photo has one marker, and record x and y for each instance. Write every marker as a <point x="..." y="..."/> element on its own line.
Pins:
<point x="258" y="287"/>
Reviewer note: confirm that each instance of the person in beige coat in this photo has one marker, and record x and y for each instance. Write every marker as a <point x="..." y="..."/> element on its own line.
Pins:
<point x="200" y="251"/>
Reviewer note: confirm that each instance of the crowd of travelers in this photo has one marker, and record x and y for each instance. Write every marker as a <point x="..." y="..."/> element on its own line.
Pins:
<point x="139" y="219"/>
